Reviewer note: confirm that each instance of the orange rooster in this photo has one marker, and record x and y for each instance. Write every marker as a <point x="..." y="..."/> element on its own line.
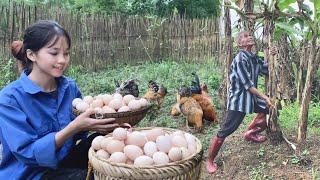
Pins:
<point x="156" y="93"/>
<point x="202" y="96"/>
<point x="207" y="106"/>
<point x="189" y="107"/>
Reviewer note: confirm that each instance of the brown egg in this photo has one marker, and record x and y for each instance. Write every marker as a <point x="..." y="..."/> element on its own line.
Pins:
<point x="115" y="146"/>
<point x="179" y="141"/>
<point x="154" y="133"/>
<point x="96" y="103"/>
<point x="129" y="161"/>
<point x="136" y="138"/>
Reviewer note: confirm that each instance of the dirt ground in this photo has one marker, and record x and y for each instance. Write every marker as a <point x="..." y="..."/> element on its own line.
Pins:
<point x="240" y="159"/>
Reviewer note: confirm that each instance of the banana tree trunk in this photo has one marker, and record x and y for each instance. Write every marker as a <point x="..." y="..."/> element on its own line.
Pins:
<point x="313" y="61"/>
<point x="223" y="91"/>
<point x="274" y="131"/>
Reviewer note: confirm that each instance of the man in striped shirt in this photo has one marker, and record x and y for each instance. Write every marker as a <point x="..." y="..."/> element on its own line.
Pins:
<point x="244" y="97"/>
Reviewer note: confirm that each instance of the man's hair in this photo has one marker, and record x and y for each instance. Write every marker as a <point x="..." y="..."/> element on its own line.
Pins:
<point x="239" y="35"/>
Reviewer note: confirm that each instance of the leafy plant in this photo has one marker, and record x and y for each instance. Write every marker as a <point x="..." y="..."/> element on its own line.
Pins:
<point x="7" y="74"/>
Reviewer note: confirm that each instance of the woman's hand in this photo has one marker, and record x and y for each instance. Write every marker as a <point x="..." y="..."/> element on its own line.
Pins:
<point x="84" y="123"/>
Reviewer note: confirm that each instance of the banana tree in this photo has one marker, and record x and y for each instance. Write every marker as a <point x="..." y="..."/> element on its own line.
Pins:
<point x="280" y="25"/>
<point x="308" y="21"/>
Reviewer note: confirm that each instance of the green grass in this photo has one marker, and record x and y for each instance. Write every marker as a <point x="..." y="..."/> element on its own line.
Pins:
<point x="169" y="73"/>
<point x="173" y="75"/>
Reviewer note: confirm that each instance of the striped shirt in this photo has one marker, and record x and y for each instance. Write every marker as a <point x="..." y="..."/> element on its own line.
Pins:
<point x="244" y="72"/>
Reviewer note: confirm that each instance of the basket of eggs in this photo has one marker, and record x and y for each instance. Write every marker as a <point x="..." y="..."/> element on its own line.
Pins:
<point x="146" y="153"/>
<point x="125" y="109"/>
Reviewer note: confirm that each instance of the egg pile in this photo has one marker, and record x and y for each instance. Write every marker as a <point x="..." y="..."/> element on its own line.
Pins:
<point x="146" y="147"/>
<point x="107" y="103"/>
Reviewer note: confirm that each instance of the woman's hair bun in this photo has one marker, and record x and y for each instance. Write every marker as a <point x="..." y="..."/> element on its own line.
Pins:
<point x="18" y="51"/>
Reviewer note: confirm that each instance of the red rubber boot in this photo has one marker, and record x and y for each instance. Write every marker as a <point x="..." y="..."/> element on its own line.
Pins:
<point x="213" y="150"/>
<point x="258" y="125"/>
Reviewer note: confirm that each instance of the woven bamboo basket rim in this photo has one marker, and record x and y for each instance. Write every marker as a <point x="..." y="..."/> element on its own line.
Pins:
<point x="123" y="165"/>
<point x="117" y="114"/>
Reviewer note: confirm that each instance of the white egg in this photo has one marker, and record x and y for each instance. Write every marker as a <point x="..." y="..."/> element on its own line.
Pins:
<point x="115" y="104"/>
<point x="119" y="134"/>
<point x="192" y="143"/>
<point x="76" y="101"/>
<point x="150" y="148"/>
<point x="175" y="154"/>
<point x="143" y="102"/>
<point x="134" y="104"/>
<point x="160" y="158"/>
<point x="124" y="109"/>
<point x="118" y="157"/>
<point x="103" y="154"/>
<point x="132" y="151"/>
<point x="88" y="99"/>
<point x="164" y="143"/>
<point x="106" y="98"/>
<point x="128" y="98"/>
<point x="82" y="106"/>
<point x="143" y="161"/>
<point x="96" y="142"/>
<point x="117" y="96"/>
<point x="104" y="142"/>
<point x="107" y="109"/>
<point x="185" y="153"/>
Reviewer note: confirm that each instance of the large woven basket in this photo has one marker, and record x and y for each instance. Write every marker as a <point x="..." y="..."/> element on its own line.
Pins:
<point x="131" y="117"/>
<point x="186" y="169"/>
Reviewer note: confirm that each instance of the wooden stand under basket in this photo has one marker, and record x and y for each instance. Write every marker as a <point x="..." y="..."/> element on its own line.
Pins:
<point x="131" y="117"/>
<point x="186" y="169"/>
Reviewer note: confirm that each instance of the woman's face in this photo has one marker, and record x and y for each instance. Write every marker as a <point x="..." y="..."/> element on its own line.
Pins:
<point x="52" y="59"/>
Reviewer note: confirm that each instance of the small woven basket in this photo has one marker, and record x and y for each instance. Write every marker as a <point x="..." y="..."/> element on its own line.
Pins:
<point x="131" y="117"/>
<point x="186" y="169"/>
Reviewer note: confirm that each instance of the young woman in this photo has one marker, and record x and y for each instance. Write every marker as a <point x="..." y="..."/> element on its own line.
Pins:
<point x="38" y="131"/>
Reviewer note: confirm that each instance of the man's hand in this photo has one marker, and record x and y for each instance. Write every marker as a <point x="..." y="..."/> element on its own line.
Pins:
<point x="273" y="50"/>
<point x="268" y="101"/>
